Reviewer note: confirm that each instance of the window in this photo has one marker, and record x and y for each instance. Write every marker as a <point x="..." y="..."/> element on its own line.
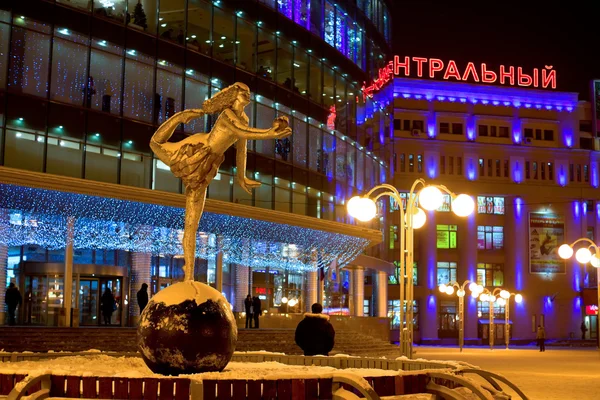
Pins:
<point x="538" y="134"/>
<point x="446" y="236"/>
<point x="578" y="172"/>
<point x="448" y="319"/>
<point x="586" y="175"/>
<point x="366" y="307"/>
<point x="395" y="279"/>
<point x="506" y="168"/>
<point x="459" y="165"/>
<point x="442" y="165"/>
<point x="543" y="171"/>
<point x="483" y="130"/>
<point x="457" y="129"/>
<point x="529" y="133"/>
<point x="527" y="170"/>
<point x="411" y="163"/>
<point x="397" y="124"/>
<point x="490" y="237"/>
<point x="535" y="170"/>
<point x="446" y="272"/>
<point x="402" y="163"/>
<point x="493" y="131"/>
<point x="489" y="167"/>
<point x="446" y="203"/>
<point x="444" y="127"/>
<point x="394" y="314"/>
<point x="418" y="125"/>
<point x="490" y="275"/>
<point x="503" y="132"/>
<point x="483" y="310"/>
<point x="481" y="167"/>
<point x="419" y="163"/>
<point x="548" y="135"/>
<point x="498" y="174"/>
<point x="490" y="205"/>
<point x="451" y="165"/>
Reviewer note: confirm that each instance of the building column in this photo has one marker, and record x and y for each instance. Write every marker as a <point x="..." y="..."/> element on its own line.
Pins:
<point x="141" y="270"/>
<point x="428" y="304"/>
<point x="311" y="291"/>
<point x="242" y="279"/>
<point x="467" y="270"/>
<point x="358" y="290"/>
<point x="68" y="278"/>
<point x="381" y="294"/>
<point x="3" y="283"/>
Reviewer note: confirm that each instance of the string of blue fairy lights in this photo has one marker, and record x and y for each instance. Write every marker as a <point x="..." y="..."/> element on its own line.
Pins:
<point x="39" y="216"/>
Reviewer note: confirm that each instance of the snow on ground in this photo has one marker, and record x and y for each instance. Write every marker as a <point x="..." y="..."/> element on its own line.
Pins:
<point x="552" y="375"/>
<point x="134" y="367"/>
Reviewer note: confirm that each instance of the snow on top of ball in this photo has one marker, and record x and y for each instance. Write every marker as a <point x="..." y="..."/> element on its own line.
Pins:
<point x="187" y="290"/>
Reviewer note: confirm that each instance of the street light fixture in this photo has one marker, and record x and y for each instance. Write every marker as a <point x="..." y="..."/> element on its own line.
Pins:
<point x="364" y="208"/>
<point x="501" y="297"/>
<point x="449" y="289"/>
<point x="583" y="256"/>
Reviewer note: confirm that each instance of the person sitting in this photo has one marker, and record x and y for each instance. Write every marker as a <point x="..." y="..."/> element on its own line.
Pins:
<point x="315" y="334"/>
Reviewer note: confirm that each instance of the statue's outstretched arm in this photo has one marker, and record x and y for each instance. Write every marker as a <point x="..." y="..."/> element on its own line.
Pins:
<point x="240" y="163"/>
<point x="245" y="132"/>
<point x="165" y="131"/>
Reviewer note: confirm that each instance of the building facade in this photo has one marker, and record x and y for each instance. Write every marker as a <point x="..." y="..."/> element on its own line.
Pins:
<point x="530" y="160"/>
<point x="84" y="84"/>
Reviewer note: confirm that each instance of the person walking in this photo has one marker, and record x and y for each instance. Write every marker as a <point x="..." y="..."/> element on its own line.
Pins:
<point x="142" y="297"/>
<point x="248" y="306"/>
<point x="12" y="298"/>
<point x="256" y="309"/>
<point x="541" y="337"/>
<point x="107" y="304"/>
<point x="583" y="330"/>
<point x="315" y="334"/>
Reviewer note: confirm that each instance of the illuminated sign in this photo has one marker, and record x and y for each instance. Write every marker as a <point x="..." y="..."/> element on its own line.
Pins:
<point x="591" y="310"/>
<point x="331" y="118"/>
<point x="434" y="68"/>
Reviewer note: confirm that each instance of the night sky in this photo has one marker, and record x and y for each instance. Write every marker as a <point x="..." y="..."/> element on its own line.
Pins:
<point x="505" y="32"/>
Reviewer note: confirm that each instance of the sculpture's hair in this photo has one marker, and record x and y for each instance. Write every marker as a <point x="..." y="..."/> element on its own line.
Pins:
<point x="224" y="99"/>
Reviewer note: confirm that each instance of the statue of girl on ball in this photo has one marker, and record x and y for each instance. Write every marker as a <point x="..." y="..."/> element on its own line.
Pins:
<point x="188" y="327"/>
<point x="196" y="159"/>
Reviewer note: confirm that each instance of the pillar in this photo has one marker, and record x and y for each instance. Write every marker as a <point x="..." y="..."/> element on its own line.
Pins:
<point x="467" y="270"/>
<point x="68" y="279"/>
<point x="219" y="272"/>
<point x="428" y="305"/>
<point x="381" y="294"/>
<point x="242" y="279"/>
<point x="358" y="290"/>
<point x="3" y="283"/>
<point x="141" y="270"/>
<point x="311" y="290"/>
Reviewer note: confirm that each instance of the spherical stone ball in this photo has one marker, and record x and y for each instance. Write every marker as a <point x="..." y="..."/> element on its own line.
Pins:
<point x="187" y="328"/>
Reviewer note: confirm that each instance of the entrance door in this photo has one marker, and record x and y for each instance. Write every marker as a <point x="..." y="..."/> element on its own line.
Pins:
<point x="35" y="300"/>
<point x="114" y="284"/>
<point x="88" y="302"/>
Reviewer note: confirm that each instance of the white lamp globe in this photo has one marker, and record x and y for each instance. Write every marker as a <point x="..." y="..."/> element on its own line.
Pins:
<point x="460" y="293"/>
<point x="565" y="251"/>
<point x="595" y="261"/>
<point x="501" y="301"/>
<point x="474" y="295"/>
<point x="480" y="288"/>
<point x="449" y="289"/>
<point x="518" y="298"/>
<point x="473" y="287"/>
<point x="362" y="208"/>
<point x="418" y="220"/>
<point x="292" y="303"/>
<point x="483" y="297"/>
<point x="463" y="205"/>
<point x="442" y="288"/>
<point x="492" y="298"/>
<point x="583" y="255"/>
<point x="284" y="300"/>
<point x="504" y="294"/>
<point x="430" y="198"/>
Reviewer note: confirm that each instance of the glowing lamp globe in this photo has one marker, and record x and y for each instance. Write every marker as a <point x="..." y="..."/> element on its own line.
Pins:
<point x="362" y="208"/>
<point x="480" y="288"/>
<point x="565" y="251"/>
<point x="501" y="301"/>
<point x="504" y="294"/>
<point x="430" y="198"/>
<point x="595" y="261"/>
<point x="583" y="255"/>
<point x="442" y="288"/>
<point x="473" y="287"/>
<point x="450" y="290"/>
<point x="484" y="297"/>
<point x="463" y="205"/>
<point x="292" y="302"/>
<point x="492" y="298"/>
<point x="418" y="220"/>
<point x="474" y="295"/>
<point x="519" y="298"/>
<point x="460" y="293"/>
<point x="284" y="300"/>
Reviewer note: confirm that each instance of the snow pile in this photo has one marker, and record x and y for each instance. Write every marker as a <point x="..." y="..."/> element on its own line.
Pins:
<point x="187" y="290"/>
<point x="134" y="367"/>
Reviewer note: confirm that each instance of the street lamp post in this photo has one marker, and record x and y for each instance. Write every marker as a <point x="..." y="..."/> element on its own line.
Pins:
<point x="460" y="293"/>
<point x="490" y="297"/>
<point x="504" y="300"/>
<point x="583" y="256"/>
<point x="430" y="197"/>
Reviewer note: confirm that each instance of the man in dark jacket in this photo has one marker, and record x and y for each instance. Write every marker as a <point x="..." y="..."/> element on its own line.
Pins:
<point x="315" y="334"/>
<point x="248" y="307"/>
<point x="12" y="298"/>
<point x="142" y="297"/>
<point x="256" y="309"/>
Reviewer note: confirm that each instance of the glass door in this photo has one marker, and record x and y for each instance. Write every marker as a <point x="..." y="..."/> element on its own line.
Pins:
<point x="35" y="301"/>
<point x="88" y="302"/>
<point x="114" y="284"/>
